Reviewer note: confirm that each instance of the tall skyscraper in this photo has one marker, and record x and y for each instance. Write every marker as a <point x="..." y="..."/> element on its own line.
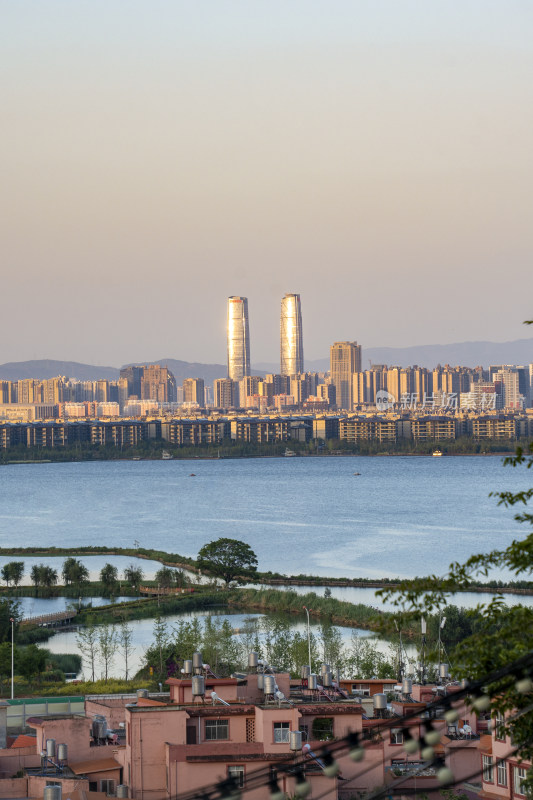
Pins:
<point x="291" y="340"/>
<point x="345" y="360"/>
<point x="238" y="338"/>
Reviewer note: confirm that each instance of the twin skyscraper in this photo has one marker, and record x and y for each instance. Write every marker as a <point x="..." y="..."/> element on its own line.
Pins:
<point x="291" y="340"/>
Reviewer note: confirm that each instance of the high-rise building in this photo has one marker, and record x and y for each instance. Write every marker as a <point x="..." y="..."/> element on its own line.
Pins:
<point x="193" y="391"/>
<point x="225" y="393"/>
<point x="149" y="382"/>
<point x="291" y="339"/>
<point x="345" y="359"/>
<point x="238" y="338"/>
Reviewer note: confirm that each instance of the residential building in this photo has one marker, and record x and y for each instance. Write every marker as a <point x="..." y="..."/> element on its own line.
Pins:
<point x="193" y="391"/>
<point x="225" y="393"/>
<point x="345" y="360"/>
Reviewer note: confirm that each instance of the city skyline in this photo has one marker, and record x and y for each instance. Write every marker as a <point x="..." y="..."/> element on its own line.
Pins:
<point x="366" y="154"/>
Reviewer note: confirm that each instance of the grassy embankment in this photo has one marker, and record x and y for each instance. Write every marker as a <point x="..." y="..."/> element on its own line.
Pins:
<point x="96" y="588"/>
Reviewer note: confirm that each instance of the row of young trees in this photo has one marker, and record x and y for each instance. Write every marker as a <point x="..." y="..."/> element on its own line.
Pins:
<point x="100" y="644"/>
<point x="275" y="641"/>
<point x="75" y="573"/>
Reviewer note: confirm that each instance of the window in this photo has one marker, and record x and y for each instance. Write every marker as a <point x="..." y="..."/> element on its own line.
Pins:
<point x="499" y="723"/>
<point x="216" y="729"/>
<point x="107" y="786"/>
<point x="237" y="773"/>
<point x="519" y="778"/>
<point x="281" y="732"/>
<point x="322" y="728"/>
<point x="487" y="769"/>
<point x="502" y="773"/>
<point x="361" y="688"/>
<point x="396" y="736"/>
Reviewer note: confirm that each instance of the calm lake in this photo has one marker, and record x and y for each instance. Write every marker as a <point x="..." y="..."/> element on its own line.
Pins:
<point x="402" y="516"/>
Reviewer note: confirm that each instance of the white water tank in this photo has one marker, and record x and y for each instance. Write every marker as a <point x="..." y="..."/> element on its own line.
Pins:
<point x="122" y="790"/>
<point x="252" y="660"/>
<point x="312" y="681"/>
<point x="261" y="681"/>
<point x="198" y="685"/>
<point x="305" y="671"/>
<point x="269" y="684"/>
<point x="62" y="752"/>
<point x="407" y="686"/>
<point x="295" y="739"/>
<point x="187" y="666"/>
<point x="197" y="660"/>
<point x="51" y="748"/>
<point x="52" y="793"/>
<point x="380" y="701"/>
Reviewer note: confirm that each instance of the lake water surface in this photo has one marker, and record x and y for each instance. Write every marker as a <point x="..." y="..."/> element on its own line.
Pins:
<point x="402" y="516"/>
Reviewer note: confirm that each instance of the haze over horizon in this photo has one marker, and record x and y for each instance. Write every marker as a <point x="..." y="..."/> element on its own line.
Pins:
<point x="373" y="157"/>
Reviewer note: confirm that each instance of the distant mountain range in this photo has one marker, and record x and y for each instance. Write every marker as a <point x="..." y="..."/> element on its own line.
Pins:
<point x="468" y="354"/>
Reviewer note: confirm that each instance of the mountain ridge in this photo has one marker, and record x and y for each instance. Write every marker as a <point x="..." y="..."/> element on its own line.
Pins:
<point x="469" y="354"/>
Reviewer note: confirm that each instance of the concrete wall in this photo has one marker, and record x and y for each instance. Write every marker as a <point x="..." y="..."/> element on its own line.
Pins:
<point x="14" y="787"/>
<point x="113" y="710"/>
<point x="37" y="783"/>
<point x="145" y="761"/>
<point x="11" y="760"/>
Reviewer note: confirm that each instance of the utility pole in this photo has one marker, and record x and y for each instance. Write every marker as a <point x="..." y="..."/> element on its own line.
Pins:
<point x="308" y="638"/>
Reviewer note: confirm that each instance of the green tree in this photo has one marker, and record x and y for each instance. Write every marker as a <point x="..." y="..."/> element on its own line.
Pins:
<point x="13" y="572"/>
<point x="228" y="559"/>
<point x="125" y="639"/>
<point x="134" y="576"/>
<point x="161" y="640"/>
<point x="87" y="641"/>
<point x="107" y="647"/>
<point x="5" y="661"/>
<point x="332" y="646"/>
<point x="48" y="577"/>
<point x="31" y="662"/>
<point x="187" y="638"/>
<point x="36" y="574"/>
<point x="16" y="571"/>
<point x="364" y="660"/>
<point x="165" y="577"/>
<point x="109" y="577"/>
<point x="74" y="572"/>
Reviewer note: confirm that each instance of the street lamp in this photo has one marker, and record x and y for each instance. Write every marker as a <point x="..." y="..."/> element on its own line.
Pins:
<point x="308" y="638"/>
<point x="12" y="621"/>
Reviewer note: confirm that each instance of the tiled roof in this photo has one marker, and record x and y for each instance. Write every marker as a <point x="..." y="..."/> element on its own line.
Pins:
<point x="24" y="741"/>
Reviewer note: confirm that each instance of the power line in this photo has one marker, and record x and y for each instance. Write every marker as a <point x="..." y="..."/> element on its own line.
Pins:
<point x="354" y="745"/>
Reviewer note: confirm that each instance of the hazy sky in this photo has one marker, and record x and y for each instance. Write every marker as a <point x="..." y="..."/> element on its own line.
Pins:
<point x="373" y="155"/>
